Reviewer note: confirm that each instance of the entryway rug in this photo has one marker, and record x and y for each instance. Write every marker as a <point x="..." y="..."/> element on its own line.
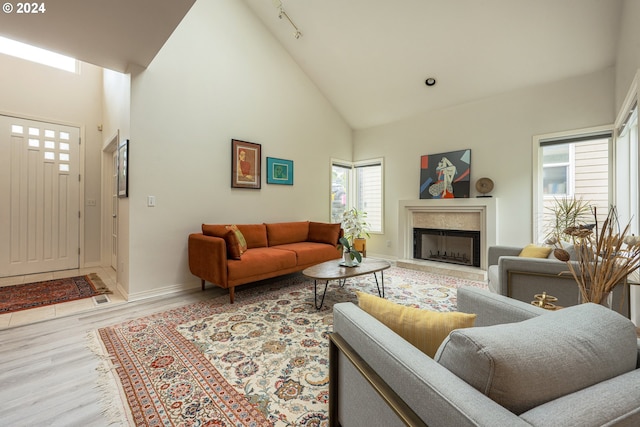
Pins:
<point x="262" y="361"/>
<point x="38" y="294"/>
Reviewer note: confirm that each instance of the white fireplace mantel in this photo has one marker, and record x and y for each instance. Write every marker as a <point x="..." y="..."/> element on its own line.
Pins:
<point x="485" y="207"/>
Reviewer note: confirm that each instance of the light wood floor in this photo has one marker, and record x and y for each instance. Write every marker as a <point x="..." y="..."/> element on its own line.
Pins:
<point x="48" y="373"/>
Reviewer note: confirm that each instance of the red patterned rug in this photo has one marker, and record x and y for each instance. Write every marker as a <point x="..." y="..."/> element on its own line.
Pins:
<point x="38" y="294"/>
<point x="262" y="361"/>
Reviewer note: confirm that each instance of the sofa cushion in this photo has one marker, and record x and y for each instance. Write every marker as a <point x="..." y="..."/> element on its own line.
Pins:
<point x="287" y="232"/>
<point x="424" y="329"/>
<point x="535" y="251"/>
<point x="215" y="230"/>
<point x="254" y="234"/>
<point x="310" y="253"/>
<point x="322" y="232"/>
<point x="260" y="261"/>
<point x="525" y="364"/>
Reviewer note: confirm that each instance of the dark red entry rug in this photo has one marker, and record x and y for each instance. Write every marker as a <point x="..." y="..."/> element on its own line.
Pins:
<point x="262" y="361"/>
<point x="48" y="292"/>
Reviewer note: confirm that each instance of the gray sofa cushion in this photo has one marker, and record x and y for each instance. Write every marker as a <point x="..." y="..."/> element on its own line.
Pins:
<point x="525" y="364"/>
<point x="611" y="402"/>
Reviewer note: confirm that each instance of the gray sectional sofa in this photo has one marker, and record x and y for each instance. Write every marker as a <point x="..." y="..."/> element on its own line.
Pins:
<point x="519" y="366"/>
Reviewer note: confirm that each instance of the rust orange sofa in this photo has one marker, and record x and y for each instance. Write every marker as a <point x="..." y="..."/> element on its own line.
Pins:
<point x="272" y="250"/>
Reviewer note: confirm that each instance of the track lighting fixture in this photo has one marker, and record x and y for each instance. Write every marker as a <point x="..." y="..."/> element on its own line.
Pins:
<point x="283" y="14"/>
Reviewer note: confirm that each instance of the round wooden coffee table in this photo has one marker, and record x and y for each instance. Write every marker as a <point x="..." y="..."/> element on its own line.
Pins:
<point x="335" y="270"/>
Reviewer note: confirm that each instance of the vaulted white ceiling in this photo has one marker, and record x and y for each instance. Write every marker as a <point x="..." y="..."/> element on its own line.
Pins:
<point x="370" y="58"/>
<point x="113" y="34"/>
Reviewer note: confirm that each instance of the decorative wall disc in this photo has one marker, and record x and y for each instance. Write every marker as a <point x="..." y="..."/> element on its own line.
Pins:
<point x="484" y="185"/>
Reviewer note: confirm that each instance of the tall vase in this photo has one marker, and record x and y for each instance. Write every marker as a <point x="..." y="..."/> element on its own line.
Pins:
<point x="605" y="301"/>
<point x="348" y="261"/>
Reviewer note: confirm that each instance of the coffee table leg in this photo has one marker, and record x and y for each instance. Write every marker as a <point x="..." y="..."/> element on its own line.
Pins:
<point x="382" y="282"/>
<point x="315" y="294"/>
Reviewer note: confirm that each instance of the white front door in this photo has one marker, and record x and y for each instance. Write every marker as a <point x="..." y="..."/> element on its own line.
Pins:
<point x="39" y="196"/>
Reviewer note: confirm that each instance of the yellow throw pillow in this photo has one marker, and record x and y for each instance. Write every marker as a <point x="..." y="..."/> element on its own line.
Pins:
<point x="424" y="329"/>
<point x="242" y="243"/>
<point x="535" y="251"/>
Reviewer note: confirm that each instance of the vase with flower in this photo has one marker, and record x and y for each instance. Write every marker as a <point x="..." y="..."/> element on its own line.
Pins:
<point x="603" y="257"/>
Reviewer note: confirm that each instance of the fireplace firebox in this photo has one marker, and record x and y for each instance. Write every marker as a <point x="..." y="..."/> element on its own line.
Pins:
<point x="451" y="246"/>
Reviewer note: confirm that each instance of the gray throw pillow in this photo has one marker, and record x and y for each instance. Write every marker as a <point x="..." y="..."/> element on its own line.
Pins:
<point x="525" y="364"/>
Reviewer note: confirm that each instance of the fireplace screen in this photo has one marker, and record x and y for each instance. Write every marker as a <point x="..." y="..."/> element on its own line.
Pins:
<point x="452" y="246"/>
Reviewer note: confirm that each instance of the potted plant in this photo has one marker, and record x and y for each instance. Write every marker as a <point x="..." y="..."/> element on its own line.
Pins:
<point x="350" y="253"/>
<point x="356" y="229"/>
<point x="605" y="256"/>
<point x="564" y="213"/>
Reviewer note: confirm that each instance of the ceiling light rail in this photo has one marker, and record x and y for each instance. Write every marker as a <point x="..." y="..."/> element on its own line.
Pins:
<point x="282" y="13"/>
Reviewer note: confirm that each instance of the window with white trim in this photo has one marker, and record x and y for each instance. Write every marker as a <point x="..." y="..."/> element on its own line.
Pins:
<point x="359" y="185"/>
<point x="571" y="165"/>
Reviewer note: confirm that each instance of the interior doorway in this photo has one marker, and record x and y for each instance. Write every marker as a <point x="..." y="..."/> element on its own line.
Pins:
<point x="110" y="199"/>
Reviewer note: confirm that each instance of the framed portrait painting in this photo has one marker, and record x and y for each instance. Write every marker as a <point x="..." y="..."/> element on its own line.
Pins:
<point x="279" y="171"/>
<point x="445" y="175"/>
<point x="246" y="158"/>
<point x="123" y="169"/>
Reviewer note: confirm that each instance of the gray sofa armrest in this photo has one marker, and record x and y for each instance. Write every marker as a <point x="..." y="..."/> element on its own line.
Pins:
<point x="435" y="394"/>
<point x="495" y="252"/>
<point x="611" y="402"/>
<point x="531" y="271"/>
<point x="494" y="309"/>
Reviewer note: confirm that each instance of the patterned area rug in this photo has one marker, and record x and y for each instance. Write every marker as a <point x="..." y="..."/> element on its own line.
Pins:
<point x="38" y="294"/>
<point x="262" y="361"/>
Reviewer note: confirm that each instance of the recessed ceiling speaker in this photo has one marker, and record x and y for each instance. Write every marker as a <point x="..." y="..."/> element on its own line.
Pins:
<point x="484" y="186"/>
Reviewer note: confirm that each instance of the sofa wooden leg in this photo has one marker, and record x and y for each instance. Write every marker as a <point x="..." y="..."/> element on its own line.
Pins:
<point x="232" y="294"/>
<point x="202" y="282"/>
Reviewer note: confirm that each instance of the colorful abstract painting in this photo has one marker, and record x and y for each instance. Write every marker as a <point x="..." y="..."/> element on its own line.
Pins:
<point x="445" y="175"/>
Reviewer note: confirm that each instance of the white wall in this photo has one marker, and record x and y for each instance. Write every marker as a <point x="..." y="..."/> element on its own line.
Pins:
<point x="628" y="55"/>
<point x="220" y="76"/>
<point x="43" y="93"/>
<point x="499" y="131"/>
<point x="116" y="124"/>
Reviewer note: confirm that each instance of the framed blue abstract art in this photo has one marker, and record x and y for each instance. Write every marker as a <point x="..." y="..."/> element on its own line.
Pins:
<point x="445" y="175"/>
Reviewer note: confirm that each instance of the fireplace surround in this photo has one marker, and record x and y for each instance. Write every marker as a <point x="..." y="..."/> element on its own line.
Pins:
<point x="472" y="214"/>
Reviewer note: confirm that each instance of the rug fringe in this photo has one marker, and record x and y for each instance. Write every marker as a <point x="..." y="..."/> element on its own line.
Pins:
<point x="100" y="286"/>
<point x="114" y="406"/>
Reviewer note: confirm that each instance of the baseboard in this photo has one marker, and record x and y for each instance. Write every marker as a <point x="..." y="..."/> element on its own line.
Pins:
<point x="180" y="287"/>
